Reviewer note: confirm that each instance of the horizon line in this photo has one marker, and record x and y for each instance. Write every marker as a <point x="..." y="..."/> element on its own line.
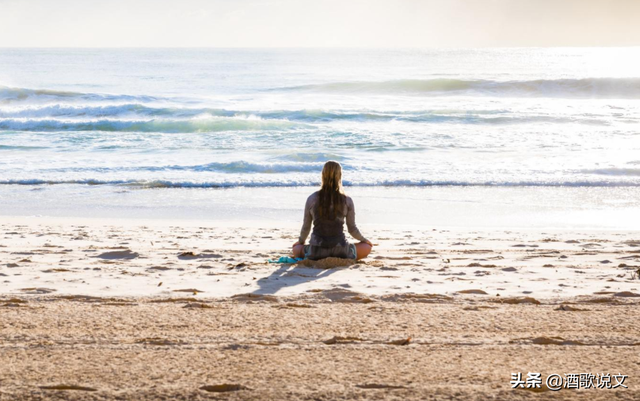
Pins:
<point x="328" y="47"/>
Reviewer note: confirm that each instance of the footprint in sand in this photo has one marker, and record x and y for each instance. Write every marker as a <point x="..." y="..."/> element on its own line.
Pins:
<point x="375" y="386"/>
<point x="569" y="308"/>
<point x="554" y="341"/>
<point x="197" y="305"/>
<point x="223" y="388"/>
<point x="475" y="264"/>
<point x="38" y="290"/>
<point x="477" y="308"/>
<point x="476" y="292"/>
<point x="68" y="387"/>
<point x="159" y="268"/>
<point x="249" y="297"/>
<point x="626" y="294"/>
<point x="126" y="254"/>
<point x="515" y="301"/>
<point x="343" y="340"/>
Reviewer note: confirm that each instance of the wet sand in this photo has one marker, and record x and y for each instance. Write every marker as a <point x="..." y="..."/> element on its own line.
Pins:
<point x="309" y="348"/>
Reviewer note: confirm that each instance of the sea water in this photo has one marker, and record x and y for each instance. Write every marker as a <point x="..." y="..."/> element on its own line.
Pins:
<point x="117" y="130"/>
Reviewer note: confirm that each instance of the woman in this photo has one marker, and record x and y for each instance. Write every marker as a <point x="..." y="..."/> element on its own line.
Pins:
<point x="328" y="208"/>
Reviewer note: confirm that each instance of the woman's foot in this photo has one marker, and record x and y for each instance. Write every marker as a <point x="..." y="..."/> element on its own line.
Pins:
<point x="298" y="251"/>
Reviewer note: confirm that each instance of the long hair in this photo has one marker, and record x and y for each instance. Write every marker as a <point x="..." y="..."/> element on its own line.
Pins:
<point x="331" y="193"/>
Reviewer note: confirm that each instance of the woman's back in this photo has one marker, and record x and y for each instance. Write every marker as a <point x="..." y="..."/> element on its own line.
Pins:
<point x="328" y="209"/>
<point x="329" y="230"/>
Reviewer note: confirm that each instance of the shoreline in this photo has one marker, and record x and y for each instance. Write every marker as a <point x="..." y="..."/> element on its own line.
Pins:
<point x="441" y="207"/>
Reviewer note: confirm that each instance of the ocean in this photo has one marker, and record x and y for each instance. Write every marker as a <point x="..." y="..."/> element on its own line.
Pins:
<point x="88" y="129"/>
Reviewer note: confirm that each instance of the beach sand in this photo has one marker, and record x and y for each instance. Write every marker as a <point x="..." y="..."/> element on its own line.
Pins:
<point x="110" y="310"/>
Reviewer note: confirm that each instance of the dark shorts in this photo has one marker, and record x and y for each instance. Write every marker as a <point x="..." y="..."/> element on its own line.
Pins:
<point x="339" y="251"/>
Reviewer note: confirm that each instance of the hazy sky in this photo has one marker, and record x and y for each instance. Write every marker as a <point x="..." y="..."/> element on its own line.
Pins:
<point x="318" y="23"/>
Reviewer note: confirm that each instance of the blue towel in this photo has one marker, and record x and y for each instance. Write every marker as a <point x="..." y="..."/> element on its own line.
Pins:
<point x="285" y="259"/>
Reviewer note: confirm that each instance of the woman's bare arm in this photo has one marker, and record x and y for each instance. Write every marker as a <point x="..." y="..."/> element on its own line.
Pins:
<point x="306" y="222"/>
<point x="351" y="221"/>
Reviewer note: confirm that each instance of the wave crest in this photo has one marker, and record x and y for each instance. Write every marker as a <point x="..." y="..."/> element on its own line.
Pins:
<point x="13" y="95"/>
<point x="71" y="116"/>
<point x="195" y="125"/>
<point x="234" y="167"/>
<point x="314" y="182"/>
<point x="569" y="88"/>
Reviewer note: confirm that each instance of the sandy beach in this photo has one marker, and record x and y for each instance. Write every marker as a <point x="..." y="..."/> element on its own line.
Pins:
<point x="161" y="160"/>
<point x="103" y="310"/>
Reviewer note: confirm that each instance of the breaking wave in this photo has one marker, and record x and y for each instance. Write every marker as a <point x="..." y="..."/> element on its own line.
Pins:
<point x="235" y="167"/>
<point x="315" y="182"/>
<point x="195" y="125"/>
<point x="627" y="88"/>
<point x="12" y="95"/>
<point x="137" y="117"/>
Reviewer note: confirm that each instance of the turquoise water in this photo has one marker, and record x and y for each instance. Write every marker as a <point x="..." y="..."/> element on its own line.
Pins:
<point x="550" y="137"/>
<point x="224" y="118"/>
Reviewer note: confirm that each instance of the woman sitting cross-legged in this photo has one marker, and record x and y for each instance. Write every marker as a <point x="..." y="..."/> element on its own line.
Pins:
<point x="327" y="209"/>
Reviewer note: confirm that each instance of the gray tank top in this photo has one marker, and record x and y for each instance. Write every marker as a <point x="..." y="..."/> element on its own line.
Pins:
<point x="331" y="228"/>
<point x="329" y="232"/>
